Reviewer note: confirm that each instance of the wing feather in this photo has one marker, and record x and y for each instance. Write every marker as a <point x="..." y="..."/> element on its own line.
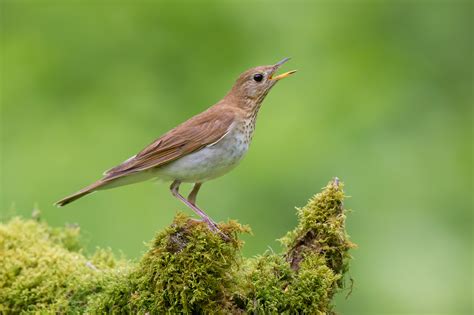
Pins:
<point x="202" y="130"/>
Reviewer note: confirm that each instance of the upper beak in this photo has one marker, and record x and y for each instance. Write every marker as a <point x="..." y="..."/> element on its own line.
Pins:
<point x="284" y="75"/>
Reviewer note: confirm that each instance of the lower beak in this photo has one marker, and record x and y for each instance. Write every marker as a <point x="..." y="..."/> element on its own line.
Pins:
<point x="283" y="75"/>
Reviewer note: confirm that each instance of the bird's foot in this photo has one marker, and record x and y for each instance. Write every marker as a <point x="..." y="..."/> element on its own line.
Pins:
<point x="213" y="227"/>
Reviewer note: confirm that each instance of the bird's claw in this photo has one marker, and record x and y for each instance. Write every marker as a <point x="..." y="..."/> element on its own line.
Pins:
<point x="213" y="227"/>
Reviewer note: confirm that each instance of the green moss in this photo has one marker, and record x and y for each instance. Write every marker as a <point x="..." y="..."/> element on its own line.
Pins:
<point x="266" y="280"/>
<point x="44" y="269"/>
<point x="273" y="287"/>
<point x="321" y="230"/>
<point x="305" y="278"/>
<point x="187" y="269"/>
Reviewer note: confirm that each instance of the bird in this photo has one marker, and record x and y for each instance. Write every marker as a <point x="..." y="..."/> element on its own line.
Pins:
<point x="204" y="147"/>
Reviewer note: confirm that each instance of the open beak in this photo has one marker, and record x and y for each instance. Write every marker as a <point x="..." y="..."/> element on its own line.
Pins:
<point x="284" y="75"/>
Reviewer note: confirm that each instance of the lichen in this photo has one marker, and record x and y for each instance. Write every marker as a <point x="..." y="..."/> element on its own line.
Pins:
<point x="187" y="269"/>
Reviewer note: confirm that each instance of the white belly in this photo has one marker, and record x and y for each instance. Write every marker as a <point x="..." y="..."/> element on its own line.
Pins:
<point x="208" y="163"/>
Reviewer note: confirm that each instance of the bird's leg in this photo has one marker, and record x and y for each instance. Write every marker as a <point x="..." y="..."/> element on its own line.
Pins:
<point x="175" y="191"/>
<point x="193" y="194"/>
<point x="212" y="225"/>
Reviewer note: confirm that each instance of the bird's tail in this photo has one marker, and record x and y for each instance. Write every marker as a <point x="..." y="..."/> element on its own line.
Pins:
<point x="81" y="193"/>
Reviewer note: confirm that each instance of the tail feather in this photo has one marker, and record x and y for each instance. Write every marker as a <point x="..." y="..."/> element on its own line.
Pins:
<point x="81" y="193"/>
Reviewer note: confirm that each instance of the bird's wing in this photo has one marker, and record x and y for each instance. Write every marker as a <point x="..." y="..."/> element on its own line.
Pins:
<point x="192" y="135"/>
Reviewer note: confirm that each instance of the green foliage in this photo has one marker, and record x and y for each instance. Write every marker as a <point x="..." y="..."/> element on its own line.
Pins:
<point x="188" y="268"/>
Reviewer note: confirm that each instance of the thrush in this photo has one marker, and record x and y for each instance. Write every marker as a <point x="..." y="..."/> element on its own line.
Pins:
<point x="202" y="148"/>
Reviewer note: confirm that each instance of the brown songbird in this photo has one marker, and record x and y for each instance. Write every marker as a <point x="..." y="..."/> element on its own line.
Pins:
<point x="204" y="147"/>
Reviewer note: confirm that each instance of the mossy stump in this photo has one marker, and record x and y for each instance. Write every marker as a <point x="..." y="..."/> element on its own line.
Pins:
<point x="188" y="268"/>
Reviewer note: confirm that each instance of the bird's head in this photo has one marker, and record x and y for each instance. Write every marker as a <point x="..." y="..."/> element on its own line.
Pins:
<point x="254" y="84"/>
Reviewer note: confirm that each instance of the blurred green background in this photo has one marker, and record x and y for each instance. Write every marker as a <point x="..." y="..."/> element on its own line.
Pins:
<point x="383" y="99"/>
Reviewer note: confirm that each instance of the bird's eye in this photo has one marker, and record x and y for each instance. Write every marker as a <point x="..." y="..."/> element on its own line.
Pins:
<point x="258" y="77"/>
